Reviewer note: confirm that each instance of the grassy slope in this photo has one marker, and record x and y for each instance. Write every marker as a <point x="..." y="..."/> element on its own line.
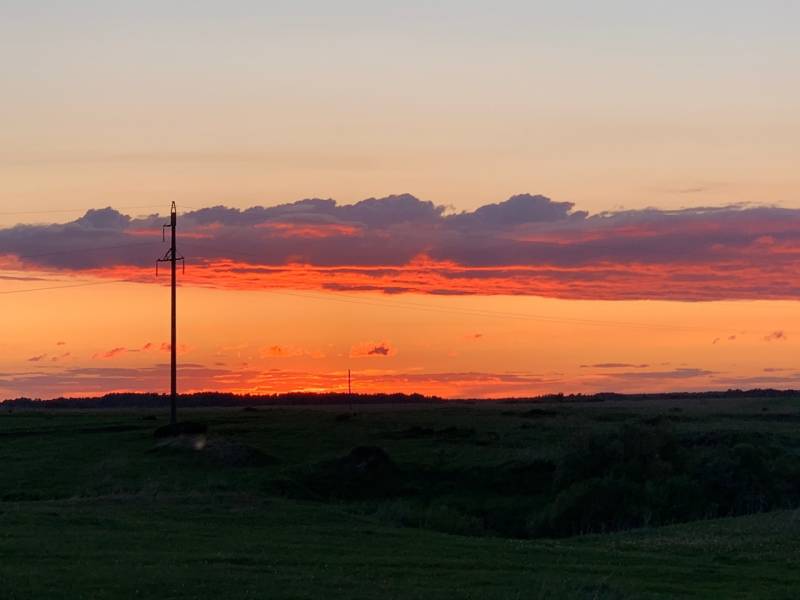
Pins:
<point x="246" y="548"/>
<point x="88" y="512"/>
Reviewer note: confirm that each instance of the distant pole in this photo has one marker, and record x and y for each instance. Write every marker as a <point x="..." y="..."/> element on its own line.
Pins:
<point x="349" y="391"/>
<point x="172" y="258"/>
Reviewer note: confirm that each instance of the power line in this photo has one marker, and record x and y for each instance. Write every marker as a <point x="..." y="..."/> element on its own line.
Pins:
<point x="338" y="297"/>
<point x="79" y="250"/>
<point x="83" y="209"/>
<point x="344" y="298"/>
<point x="71" y="285"/>
<point x="475" y="312"/>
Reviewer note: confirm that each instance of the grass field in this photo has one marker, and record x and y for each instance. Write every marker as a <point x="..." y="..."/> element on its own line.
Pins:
<point x="93" y="507"/>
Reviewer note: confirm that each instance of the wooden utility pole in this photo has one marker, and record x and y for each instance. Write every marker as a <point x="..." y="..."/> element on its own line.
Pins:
<point x="172" y="257"/>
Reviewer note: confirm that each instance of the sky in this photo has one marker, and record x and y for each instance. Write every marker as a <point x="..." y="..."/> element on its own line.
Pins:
<point x="469" y="199"/>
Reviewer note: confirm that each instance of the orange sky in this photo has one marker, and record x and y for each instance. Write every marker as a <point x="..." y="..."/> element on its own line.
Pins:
<point x="94" y="339"/>
<point x="664" y="132"/>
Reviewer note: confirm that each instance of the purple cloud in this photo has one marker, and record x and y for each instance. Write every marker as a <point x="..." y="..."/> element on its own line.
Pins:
<point x="679" y="373"/>
<point x="525" y="245"/>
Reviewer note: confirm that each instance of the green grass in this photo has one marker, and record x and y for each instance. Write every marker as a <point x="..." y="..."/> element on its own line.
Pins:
<point x="88" y="510"/>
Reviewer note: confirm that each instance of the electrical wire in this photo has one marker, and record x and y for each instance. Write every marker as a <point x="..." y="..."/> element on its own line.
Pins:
<point x="339" y="297"/>
<point x="83" y="210"/>
<point x="71" y="285"/>
<point x="81" y="250"/>
<point x="344" y="298"/>
<point x="475" y="312"/>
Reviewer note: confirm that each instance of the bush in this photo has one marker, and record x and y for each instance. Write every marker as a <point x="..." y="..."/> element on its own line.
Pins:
<point x="366" y="472"/>
<point x="642" y="475"/>
<point x="590" y="506"/>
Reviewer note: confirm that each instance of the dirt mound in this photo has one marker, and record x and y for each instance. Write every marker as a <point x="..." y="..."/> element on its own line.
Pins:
<point x="229" y="453"/>
<point x="367" y="471"/>
<point x="216" y="451"/>
<point x="341" y="418"/>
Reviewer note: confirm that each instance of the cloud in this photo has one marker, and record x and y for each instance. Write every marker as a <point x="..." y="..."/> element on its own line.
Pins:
<point x="119" y="351"/>
<point x="102" y="378"/>
<point x="103" y="219"/>
<point x="198" y="377"/>
<point x="526" y="245"/>
<point x="80" y="381"/>
<point x="110" y="354"/>
<point x="167" y="347"/>
<point x="21" y="278"/>
<point x="679" y="373"/>
<point x="52" y="358"/>
<point x="372" y="349"/>
<point x="278" y="351"/>
<point x="785" y="381"/>
<point x="615" y="366"/>
<point x="776" y="336"/>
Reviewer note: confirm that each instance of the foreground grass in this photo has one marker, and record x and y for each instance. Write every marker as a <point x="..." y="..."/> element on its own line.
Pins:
<point x="249" y="548"/>
<point x="89" y="511"/>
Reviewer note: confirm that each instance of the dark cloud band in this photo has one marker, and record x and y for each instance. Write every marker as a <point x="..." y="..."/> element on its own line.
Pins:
<point x="526" y="245"/>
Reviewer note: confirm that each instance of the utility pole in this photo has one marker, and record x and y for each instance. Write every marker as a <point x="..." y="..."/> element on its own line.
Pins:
<point x="172" y="257"/>
<point x="350" y="392"/>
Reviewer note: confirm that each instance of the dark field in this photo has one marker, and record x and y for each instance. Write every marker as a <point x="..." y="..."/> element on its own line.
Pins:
<point x="622" y="499"/>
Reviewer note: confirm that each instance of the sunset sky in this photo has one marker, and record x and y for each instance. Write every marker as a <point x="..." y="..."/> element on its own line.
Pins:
<point x="469" y="199"/>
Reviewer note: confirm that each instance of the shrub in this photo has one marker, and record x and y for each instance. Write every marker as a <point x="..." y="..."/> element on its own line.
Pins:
<point x="593" y="505"/>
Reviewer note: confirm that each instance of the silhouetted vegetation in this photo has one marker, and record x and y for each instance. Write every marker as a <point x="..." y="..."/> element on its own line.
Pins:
<point x="645" y="475"/>
<point x="250" y="401"/>
<point x="641" y="474"/>
<point x="366" y="471"/>
<point x="215" y="399"/>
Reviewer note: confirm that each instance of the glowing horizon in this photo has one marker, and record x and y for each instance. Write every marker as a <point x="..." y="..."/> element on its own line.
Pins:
<point x="662" y="138"/>
<point x="271" y="336"/>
